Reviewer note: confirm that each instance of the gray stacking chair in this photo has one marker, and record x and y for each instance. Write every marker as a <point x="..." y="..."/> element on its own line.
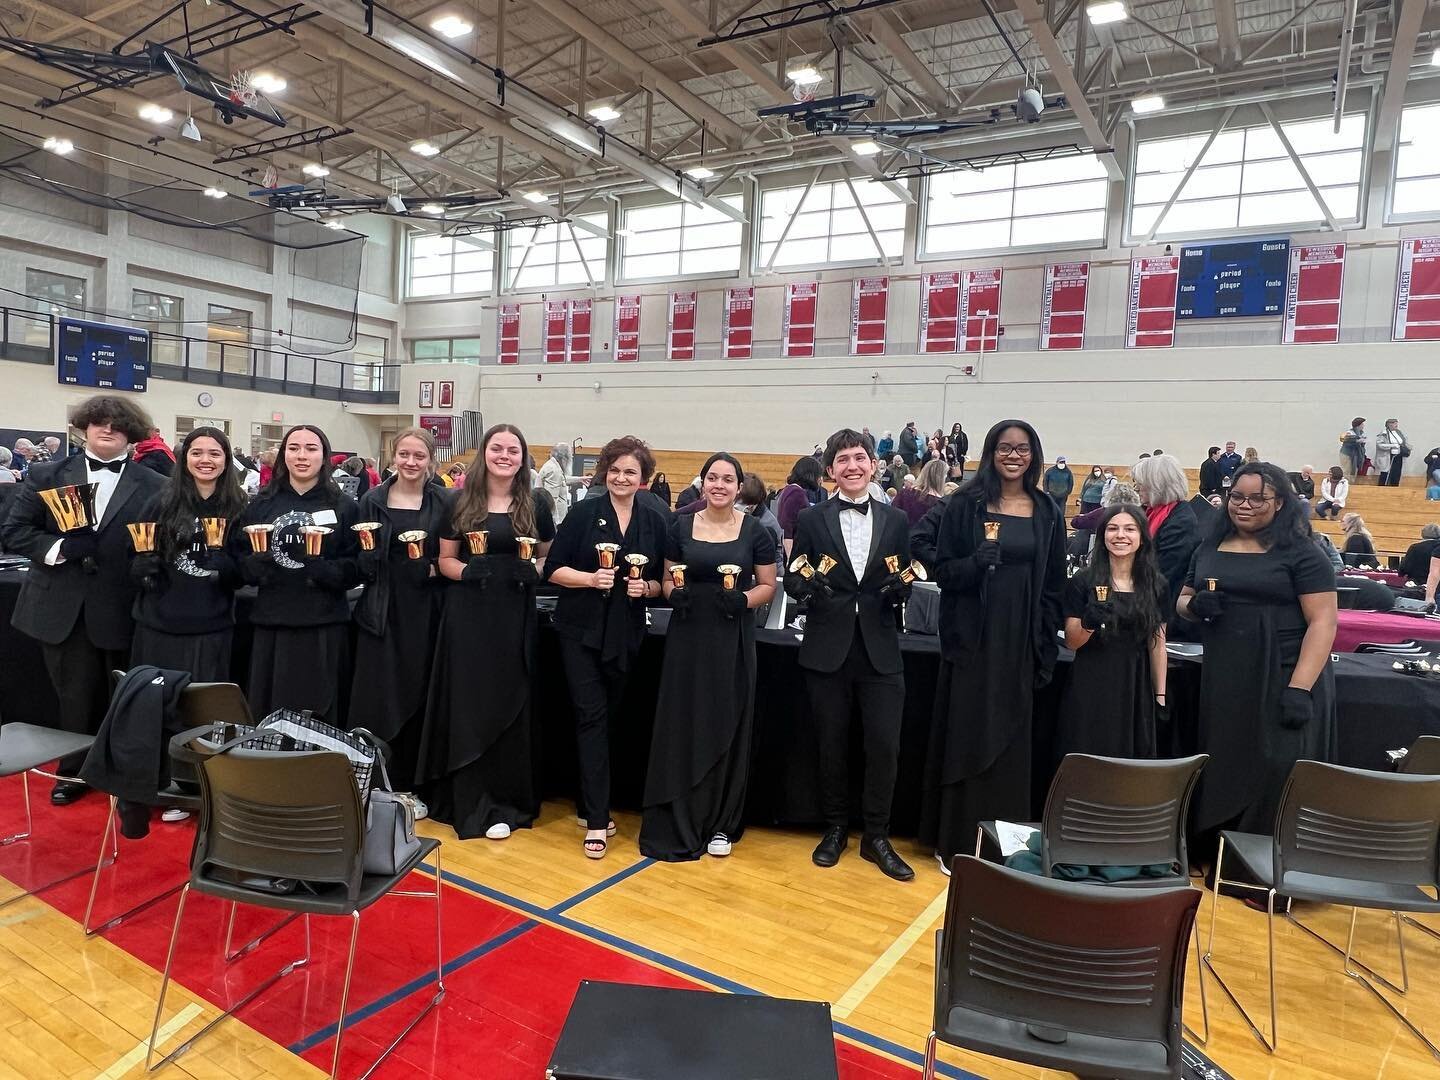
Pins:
<point x="1342" y="836"/>
<point x="269" y="817"/>
<point x="1081" y="978"/>
<point x="1423" y="757"/>
<point x="24" y="748"/>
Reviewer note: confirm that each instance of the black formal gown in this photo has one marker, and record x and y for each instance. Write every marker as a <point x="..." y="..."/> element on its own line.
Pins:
<point x="1250" y="653"/>
<point x="1108" y="706"/>
<point x="700" y="750"/>
<point x="477" y="758"/>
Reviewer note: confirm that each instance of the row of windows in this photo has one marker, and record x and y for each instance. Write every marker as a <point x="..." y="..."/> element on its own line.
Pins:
<point x="1243" y="180"/>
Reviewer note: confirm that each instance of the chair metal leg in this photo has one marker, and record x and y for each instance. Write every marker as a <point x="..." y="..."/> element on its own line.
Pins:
<point x="255" y="942"/>
<point x="111" y="835"/>
<point x="1404" y="977"/>
<point x="1208" y="958"/>
<point x="165" y="977"/>
<point x="1204" y="1002"/>
<point x="928" y="1072"/>
<point x="29" y="818"/>
<point x="1349" y="954"/>
<point x="345" y="998"/>
<point x="1418" y="925"/>
<point x="26" y="835"/>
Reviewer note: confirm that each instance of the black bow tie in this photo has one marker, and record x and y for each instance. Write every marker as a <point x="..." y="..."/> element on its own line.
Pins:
<point x="858" y="507"/>
<point x="114" y="466"/>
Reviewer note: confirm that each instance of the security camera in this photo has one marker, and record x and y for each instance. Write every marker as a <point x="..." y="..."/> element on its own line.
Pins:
<point x="1029" y="105"/>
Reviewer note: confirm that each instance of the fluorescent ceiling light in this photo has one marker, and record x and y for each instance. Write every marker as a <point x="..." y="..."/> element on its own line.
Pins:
<point x="535" y="197"/>
<point x="156" y="114"/>
<point x="268" y="83"/>
<point x="333" y="225"/>
<point x="1150" y="103"/>
<point x="432" y="208"/>
<point x="1106" y="11"/>
<point x="451" y="26"/>
<point x="214" y="193"/>
<point x="699" y="172"/>
<point x="605" y="113"/>
<point x="1435" y="58"/>
<point x="865" y="148"/>
<point x="804" y="76"/>
<point x="424" y="148"/>
<point x="315" y="170"/>
<point x="59" y="146"/>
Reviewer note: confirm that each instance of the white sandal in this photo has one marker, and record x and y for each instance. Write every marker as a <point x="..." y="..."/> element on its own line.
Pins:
<point x="609" y="829"/>
<point x="595" y="853"/>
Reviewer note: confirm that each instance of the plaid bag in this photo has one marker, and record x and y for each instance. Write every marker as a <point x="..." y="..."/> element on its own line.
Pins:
<point x="289" y="730"/>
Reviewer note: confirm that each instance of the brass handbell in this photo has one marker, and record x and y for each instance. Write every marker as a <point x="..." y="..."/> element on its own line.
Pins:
<point x="214" y="531"/>
<point x="801" y="565"/>
<point x="914" y="572"/>
<point x="72" y="506"/>
<point x="827" y="564"/>
<point x="142" y="536"/>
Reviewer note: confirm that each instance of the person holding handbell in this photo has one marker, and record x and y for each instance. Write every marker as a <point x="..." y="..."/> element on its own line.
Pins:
<point x="607" y="559"/>
<point x="1265" y="596"/>
<point x="476" y="763"/>
<point x="296" y="546"/>
<point x="719" y="564"/>
<point x="70" y="521"/>
<point x="851" y="648"/>
<point x="397" y="618"/>
<point x="1000" y="563"/>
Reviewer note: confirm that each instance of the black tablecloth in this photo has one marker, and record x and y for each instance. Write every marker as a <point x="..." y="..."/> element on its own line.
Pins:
<point x="1379" y="710"/>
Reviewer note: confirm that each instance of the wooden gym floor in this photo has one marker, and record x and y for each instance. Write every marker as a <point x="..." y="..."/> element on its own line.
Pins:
<point x="527" y="919"/>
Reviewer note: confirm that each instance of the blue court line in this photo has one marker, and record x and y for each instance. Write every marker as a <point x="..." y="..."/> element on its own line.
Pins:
<point x="315" y="1038"/>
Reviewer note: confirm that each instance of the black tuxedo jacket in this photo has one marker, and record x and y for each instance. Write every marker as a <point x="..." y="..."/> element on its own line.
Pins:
<point x="53" y="597"/>
<point x="830" y="621"/>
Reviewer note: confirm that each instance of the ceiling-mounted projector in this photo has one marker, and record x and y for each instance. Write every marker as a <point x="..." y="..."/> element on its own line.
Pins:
<point x="1029" y="105"/>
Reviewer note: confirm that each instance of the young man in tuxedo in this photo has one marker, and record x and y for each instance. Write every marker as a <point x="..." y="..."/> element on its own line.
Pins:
<point x="77" y="596"/>
<point x="851" y="650"/>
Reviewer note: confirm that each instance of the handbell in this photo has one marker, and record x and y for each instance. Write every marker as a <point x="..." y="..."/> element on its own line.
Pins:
<point x="142" y="536"/>
<point x="827" y="564"/>
<point x="992" y="531"/>
<point x="214" y="531"/>
<point x="315" y="539"/>
<point x="677" y="575"/>
<point x="366" y="530"/>
<point x="801" y="565"/>
<point x="1102" y="593"/>
<point x="1212" y="583"/>
<point x="72" y="506"/>
<point x="729" y="574"/>
<point x="259" y="537"/>
<point x="414" y="541"/>
<point x="637" y="563"/>
<point x="479" y="541"/>
<point x="526" y="544"/>
<point x="607" y="554"/>
<point x="892" y="563"/>
<point x="914" y="572"/>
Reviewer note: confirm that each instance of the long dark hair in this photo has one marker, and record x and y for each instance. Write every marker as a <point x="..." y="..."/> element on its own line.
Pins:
<point x="472" y="506"/>
<point x="805" y="472"/>
<point x="1290" y="525"/>
<point x="1146" y="617"/>
<point x="280" y="472"/>
<point x="181" y="503"/>
<point x="984" y="486"/>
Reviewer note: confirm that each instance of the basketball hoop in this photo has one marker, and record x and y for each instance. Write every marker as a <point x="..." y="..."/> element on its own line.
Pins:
<point x="242" y="89"/>
<point x="802" y="93"/>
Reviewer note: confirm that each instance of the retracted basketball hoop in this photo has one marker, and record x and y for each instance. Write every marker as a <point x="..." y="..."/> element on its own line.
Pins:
<point x="242" y="89"/>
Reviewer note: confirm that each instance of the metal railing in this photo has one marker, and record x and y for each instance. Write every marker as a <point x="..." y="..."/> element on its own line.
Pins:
<point x="29" y="337"/>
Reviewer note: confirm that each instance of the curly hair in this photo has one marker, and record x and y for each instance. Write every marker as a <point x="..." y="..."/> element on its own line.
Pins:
<point x="1290" y="524"/>
<point x="116" y="412"/>
<point x="618" y="448"/>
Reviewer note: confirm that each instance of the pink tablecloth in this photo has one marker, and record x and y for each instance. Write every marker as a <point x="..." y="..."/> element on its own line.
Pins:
<point x="1389" y="577"/>
<point x="1357" y="627"/>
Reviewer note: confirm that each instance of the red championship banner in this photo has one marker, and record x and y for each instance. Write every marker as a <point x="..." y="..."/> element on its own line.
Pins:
<point x="798" y="330"/>
<point x="577" y="330"/>
<point x="1313" y="289"/>
<point x="738" y="329"/>
<point x="556" y="323"/>
<point x="1062" y="310"/>
<point x="867" y="316"/>
<point x="980" y="309"/>
<point x="680" y="336"/>
<point x="1417" y="292"/>
<point x="939" y="312"/>
<point x="508" y="331"/>
<point x="627" y="327"/>
<point x="1150" y="317"/>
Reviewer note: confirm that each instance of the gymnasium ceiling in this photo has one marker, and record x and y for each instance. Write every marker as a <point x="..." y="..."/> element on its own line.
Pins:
<point x="683" y="105"/>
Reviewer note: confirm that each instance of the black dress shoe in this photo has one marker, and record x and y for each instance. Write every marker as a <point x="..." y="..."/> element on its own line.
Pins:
<point x="877" y="849"/>
<point x="827" y="852"/>
<point x="67" y="791"/>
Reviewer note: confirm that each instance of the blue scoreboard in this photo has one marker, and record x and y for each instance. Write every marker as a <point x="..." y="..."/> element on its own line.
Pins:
<point x="1242" y="278"/>
<point x="106" y="357"/>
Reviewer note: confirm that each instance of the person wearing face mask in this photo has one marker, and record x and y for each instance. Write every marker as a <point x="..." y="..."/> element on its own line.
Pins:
<point x="300" y="654"/>
<point x="77" y="598"/>
<point x="1264" y="597"/>
<point x="851" y="649"/>
<point x="397" y="618"/>
<point x="476" y="762"/>
<point x="1115" y="613"/>
<point x="700" y="749"/>
<point x="600" y="614"/>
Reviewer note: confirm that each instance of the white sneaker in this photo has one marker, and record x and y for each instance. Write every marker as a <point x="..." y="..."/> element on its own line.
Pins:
<point x="944" y="865"/>
<point x="421" y="810"/>
<point x="175" y="814"/>
<point x="498" y="831"/>
<point x="719" y="845"/>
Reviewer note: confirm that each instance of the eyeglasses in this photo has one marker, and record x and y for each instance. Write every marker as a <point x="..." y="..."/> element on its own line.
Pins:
<point x="1256" y="502"/>
<point x="1019" y="450"/>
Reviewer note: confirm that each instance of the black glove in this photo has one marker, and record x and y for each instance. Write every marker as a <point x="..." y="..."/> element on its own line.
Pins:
<point x="1095" y="615"/>
<point x="325" y="574"/>
<point x="524" y="575"/>
<point x="1297" y="708"/>
<point x="145" y="570"/>
<point x="731" y="602"/>
<point x="416" y="571"/>
<point x="1042" y="678"/>
<point x="1162" y="713"/>
<point x="1208" y="605"/>
<point x="477" y="571"/>
<point x="987" y="553"/>
<point x="954" y="573"/>
<point x="800" y="588"/>
<point x="1430" y="607"/>
<point x="680" y="602"/>
<point x="259" y="567"/>
<point x="894" y="590"/>
<point x="78" y="546"/>
<point x="369" y="562"/>
<point x="820" y="585"/>
<point x="222" y="563"/>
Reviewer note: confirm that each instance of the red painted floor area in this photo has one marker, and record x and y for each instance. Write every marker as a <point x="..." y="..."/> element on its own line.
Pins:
<point x="510" y="978"/>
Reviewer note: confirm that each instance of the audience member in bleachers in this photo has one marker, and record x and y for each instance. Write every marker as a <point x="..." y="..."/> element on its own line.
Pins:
<point x="1210" y="473"/>
<point x="999" y="615"/>
<point x="397" y="619"/>
<point x="1415" y="564"/>
<point x="555" y="478"/>
<point x="1092" y="490"/>
<point x="1059" y="483"/>
<point x="1359" y="544"/>
<point x="916" y="499"/>
<point x="1304" y="483"/>
<point x="691" y="493"/>
<point x="1329" y="550"/>
<point x="802" y="490"/>
<point x="1116" y="494"/>
<point x="1391" y="450"/>
<point x="959" y="444"/>
<point x="20" y="462"/>
<point x="1115" y="614"/>
<point x="1432" y="464"/>
<point x="660" y="488"/>
<point x="1334" y="490"/>
<point x="1352" y="447"/>
<point x="7" y="475"/>
<point x="1227" y="463"/>
<point x="909" y="446"/>
<point x="153" y="453"/>
<point x="1251" y="456"/>
<point x="1164" y="493"/>
<point x="704" y="715"/>
<point x="885" y="447"/>
<point x="1265" y="597"/>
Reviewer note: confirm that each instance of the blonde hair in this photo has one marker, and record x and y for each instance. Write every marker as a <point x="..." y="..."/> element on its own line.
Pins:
<point x="1354" y="525"/>
<point x="932" y="476"/>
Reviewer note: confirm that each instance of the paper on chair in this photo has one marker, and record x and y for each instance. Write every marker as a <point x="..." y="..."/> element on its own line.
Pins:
<point x="1013" y="837"/>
